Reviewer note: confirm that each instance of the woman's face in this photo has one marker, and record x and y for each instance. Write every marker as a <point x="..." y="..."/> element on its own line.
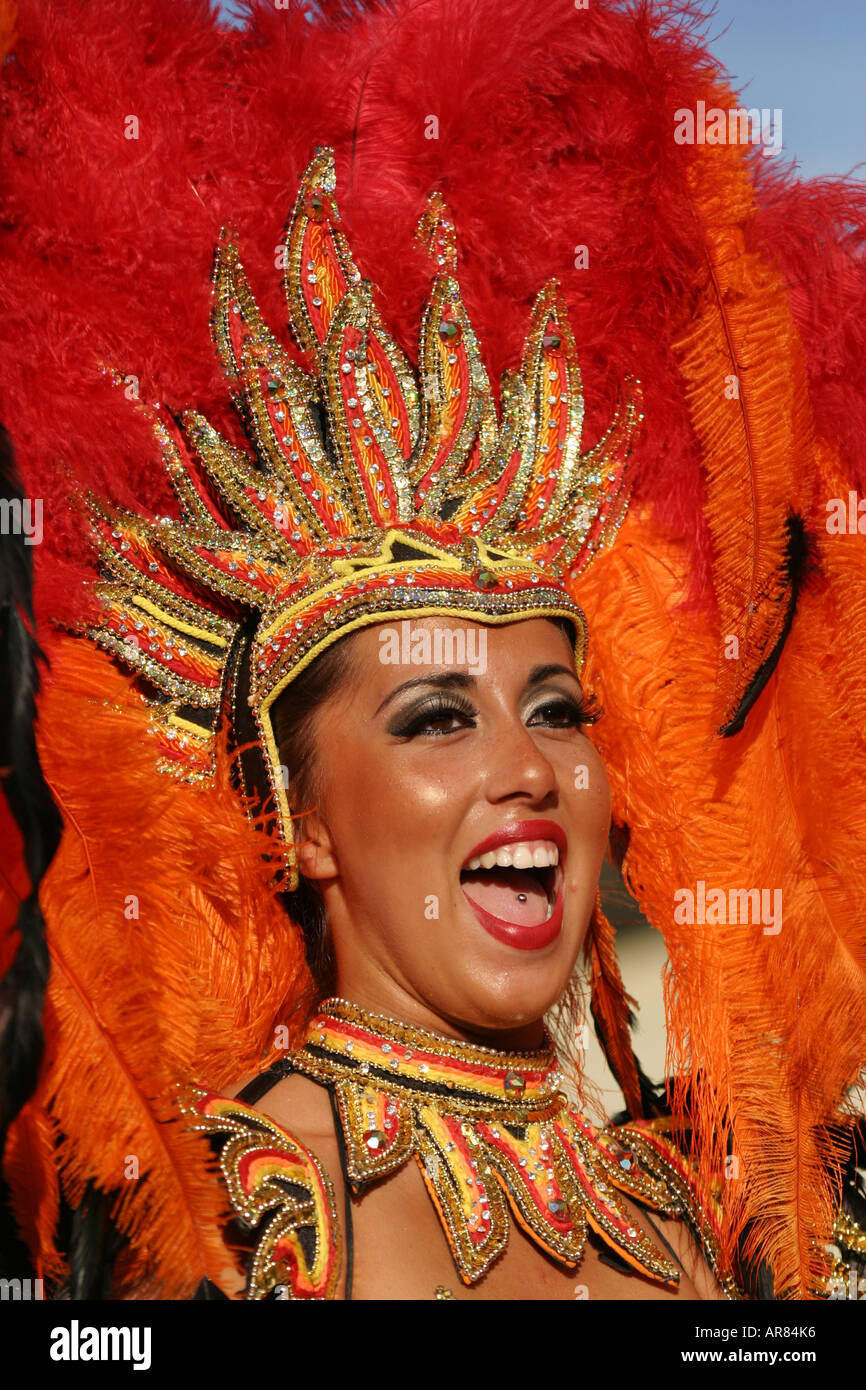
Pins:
<point x="420" y="763"/>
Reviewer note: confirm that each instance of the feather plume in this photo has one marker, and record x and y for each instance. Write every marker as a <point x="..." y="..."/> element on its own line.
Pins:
<point x="170" y="960"/>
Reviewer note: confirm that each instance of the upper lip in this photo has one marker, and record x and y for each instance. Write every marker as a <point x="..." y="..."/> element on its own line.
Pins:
<point x="523" y="830"/>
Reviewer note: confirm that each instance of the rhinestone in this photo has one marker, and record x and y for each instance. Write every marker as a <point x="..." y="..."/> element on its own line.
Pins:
<point x="317" y="301"/>
<point x="386" y="390"/>
<point x="364" y="1069"/>
<point x="386" y="1047"/>
<point x="367" y="439"/>
<point x="357" y="423"/>
<point x="352" y="402"/>
<point x="556" y="1207"/>
<point x="296" y="536"/>
<point x="305" y="477"/>
<point x="449" y="331"/>
<point x="515" y="1084"/>
<point x="551" y="341"/>
<point x="375" y="1139"/>
<point x="394" y="424"/>
<point x="632" y="1232"/>
<point x="345" y="366"/>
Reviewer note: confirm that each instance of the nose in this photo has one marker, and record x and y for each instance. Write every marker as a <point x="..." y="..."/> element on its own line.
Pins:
<point x="517" y="769"/>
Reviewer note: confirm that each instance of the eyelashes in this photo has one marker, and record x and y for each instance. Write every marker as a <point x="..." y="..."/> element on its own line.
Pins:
<point x="437" y="711"/>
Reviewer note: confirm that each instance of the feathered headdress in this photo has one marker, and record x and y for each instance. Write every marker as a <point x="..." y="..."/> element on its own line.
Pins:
<point x="365" y="496"/>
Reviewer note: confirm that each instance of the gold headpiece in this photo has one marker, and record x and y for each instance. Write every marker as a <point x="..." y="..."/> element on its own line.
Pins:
<point x="365" y="496"/>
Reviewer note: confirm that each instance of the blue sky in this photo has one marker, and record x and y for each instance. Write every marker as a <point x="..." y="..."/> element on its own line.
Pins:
<point x="807" y="57"/>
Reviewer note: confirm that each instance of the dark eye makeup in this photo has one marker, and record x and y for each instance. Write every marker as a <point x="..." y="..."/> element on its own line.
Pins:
<point x="428" y="715"/>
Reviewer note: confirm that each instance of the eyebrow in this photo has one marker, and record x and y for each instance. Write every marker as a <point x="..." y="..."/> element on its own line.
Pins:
<point x="461" y="680"/>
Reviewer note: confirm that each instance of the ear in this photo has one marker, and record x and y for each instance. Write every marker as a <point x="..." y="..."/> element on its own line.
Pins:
<point x="315" y="852"/>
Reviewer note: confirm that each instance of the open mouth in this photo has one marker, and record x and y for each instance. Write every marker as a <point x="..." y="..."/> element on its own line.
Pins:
<point x="515" y="890"/>
<point x="523" y="896"/>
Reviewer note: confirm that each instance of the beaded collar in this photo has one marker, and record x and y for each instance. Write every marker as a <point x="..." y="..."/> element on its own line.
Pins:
<point x="492" y="1132"/>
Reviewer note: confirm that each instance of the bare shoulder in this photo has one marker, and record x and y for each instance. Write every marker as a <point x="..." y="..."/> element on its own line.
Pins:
<point x="687" y="1249"/>
<point x="295" y="1103"/>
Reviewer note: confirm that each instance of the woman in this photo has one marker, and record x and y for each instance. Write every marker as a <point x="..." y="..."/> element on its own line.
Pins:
<point x="419" y="776"/>
<point x="454" y="815"/>
<point x="182" y="942"/>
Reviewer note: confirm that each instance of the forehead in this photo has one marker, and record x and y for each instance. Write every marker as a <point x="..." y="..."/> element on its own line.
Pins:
<point x="387" y="652"/>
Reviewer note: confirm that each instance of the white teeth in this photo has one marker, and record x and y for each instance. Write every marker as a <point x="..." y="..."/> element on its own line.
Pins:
<point x="518" y="856"/>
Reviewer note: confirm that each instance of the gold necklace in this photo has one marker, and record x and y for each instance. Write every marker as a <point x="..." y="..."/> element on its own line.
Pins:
<point x="493" y="1133"/>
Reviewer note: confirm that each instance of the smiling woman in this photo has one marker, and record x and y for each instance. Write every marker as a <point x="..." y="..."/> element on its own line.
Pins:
<point x="449" y="866"/>
<point x="439" y="814"/>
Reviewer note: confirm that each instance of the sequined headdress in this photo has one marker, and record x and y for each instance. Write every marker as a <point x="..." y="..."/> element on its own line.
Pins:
<point x="366" y="494"/>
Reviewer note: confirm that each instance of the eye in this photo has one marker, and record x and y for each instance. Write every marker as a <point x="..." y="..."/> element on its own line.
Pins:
<point x="433" y="717"/>
<point x="564" y="712"/>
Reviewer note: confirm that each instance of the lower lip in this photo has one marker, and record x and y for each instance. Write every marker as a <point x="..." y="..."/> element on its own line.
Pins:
<point x="516" y="934"/>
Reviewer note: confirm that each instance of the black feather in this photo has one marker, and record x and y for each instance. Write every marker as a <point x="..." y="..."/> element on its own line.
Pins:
<point x="799" y="557"/>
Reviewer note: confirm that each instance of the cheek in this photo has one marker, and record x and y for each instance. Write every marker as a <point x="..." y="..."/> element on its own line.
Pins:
<point x="585" y="790"/>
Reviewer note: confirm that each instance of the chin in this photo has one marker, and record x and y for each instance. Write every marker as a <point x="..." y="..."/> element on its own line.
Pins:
<point x="516" y="999"/>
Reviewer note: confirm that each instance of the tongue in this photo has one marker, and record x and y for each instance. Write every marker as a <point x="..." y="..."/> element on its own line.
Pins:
<point x="496" y="891"/>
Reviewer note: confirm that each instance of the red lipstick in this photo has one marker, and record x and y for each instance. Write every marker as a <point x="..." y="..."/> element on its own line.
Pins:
<point x="521" y="936"/>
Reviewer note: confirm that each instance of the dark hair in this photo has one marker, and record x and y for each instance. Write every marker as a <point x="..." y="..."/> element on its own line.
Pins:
<point x="293" y="730"/>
